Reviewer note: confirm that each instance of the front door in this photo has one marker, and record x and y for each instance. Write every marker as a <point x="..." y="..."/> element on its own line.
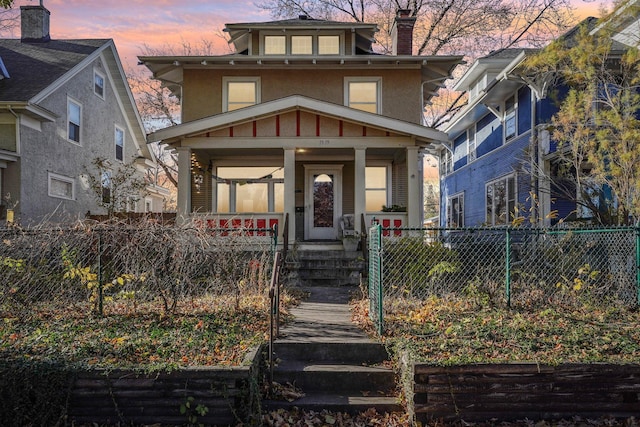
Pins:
<point x="323" y="201"/>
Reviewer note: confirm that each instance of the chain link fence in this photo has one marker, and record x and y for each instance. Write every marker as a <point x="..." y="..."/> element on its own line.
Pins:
<point x="516" y="267"/>
<point x="97" y="266"/>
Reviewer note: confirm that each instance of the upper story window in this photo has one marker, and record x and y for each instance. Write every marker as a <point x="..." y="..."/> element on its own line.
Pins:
<point x="455" y="210"/>
<point x="376" y="180"/>
<point x="446" y="162"/>
<point x="301" y="45"/>
<point x="98" y="83"/>
<point x="363" y="93"/>
<point x="240" y="92"/>
<point x="275" y="45"/>
<point x="328" y="45"/>
<point x="61" y="187"/>
<point x="501" y="200"/>
<point x="471" y="144"/>
<point x="510" y="118"/>
<point x="119" y="142"/>
<point x="305" y="43"/>
<point x="74" y="121"/>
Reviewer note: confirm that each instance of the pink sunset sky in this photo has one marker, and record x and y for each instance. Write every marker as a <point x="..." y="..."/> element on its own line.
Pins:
<point x="135" y="23"/>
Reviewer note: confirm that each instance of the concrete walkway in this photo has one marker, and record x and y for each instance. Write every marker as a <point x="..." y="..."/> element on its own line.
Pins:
<point x="323" y="317"/>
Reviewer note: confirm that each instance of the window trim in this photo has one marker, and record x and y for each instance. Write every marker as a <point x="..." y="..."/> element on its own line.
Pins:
<point x="115" y="142"/>
<point x="460" y="197"/>
<point x="62" y="178"/>
<point x="239" y="79"/>
<point x="315" y="46"/>
<point x="364" y="79"/>
<point x="445" y="165"/>
<point x="71" y="101"/>
<point x="233" y="185"/>
<point x="472" y="154"/>
<point x="505" y="178"/>
<point x="511" y="113"/>
<point x="97" y="73"/>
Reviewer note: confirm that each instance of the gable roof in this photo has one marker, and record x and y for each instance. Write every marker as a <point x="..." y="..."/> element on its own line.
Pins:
<point x="424" y="136"/>
<point x="37" y="69"/>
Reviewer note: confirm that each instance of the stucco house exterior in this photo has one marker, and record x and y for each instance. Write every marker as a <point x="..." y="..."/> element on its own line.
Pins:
<point x="303" y="120"/>
<point x="501" y="157"/>
<point x="64" y="103"/>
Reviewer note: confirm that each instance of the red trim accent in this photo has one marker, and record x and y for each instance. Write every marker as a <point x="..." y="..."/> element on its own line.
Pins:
<point x="224" y="224"/>
<point x="272" y="222"/>
<point x="297" y="122"/>
<point x="317" y="125"/>
<point x="255" y="129"/>
<point x="364" y="131"/>
<point x="341" y="127"/>
<point x="261" y="223"/>
<point x="397" y="223"/>
<point x="388" y="133"/>
<point x="278" y="125"/>
<point x="248" y="223"/>
<point x="385" y="224"/>
<point x="231" y="131"/>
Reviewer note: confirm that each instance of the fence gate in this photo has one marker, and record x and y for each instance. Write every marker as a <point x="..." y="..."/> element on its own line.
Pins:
<point x="375" y="276"/>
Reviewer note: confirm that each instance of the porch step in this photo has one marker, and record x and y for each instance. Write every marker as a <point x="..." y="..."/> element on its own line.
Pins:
<point x="347" y="377"/>
<point x="323" y="266"/>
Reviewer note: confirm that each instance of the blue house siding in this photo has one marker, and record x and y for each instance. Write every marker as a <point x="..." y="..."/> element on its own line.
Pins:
<point x="488" y="134"/>
<point x="460" y="151"/>
<point x="472" y="179"/>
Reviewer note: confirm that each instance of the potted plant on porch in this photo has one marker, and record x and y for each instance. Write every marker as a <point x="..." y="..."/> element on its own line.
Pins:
<point x="350" y="241"/>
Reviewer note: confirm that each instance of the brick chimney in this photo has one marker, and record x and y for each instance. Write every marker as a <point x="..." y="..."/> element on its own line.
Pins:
<point x="34" y="23"/>
<point x="402" y="33"/>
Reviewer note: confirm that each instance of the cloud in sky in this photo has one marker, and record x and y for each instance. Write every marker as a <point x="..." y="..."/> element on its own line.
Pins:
<point x="156" y="23"/>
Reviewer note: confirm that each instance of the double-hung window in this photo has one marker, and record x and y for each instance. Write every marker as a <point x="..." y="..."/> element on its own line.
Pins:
<point x="376" y="180"/>
<point x="119" y="143"/>
<point x="240" y="92"/>
<point x="510" y="118"/>
<point x="455" y="210"/>
<point x="98" y="83"/>
<point x="471" y="144"/>
<point x="446" y="162"/>
<point x="74" y="121"/>
<point x="363" y="93"/>
<point x="501" y="200"/>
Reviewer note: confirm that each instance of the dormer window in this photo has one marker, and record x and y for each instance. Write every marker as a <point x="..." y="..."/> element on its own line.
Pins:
<point x="301" y="44"/>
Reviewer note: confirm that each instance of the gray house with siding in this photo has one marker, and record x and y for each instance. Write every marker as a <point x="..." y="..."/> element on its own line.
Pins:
<point x="64" y="103"/>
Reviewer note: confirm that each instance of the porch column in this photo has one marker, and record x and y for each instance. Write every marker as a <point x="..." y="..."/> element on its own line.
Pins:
<point x="414" y="177"/>
<point x="359" y="198"/>
<point x="184" y="184"/>
<point x="290" y="190"/>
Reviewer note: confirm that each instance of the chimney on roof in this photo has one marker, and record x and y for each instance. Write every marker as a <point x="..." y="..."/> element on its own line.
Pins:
<point x="402" y="32"/>
<point x="34" y="23"/>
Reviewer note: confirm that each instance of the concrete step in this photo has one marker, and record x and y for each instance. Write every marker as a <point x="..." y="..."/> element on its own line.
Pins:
<point x="351" y="404"/>
<point x="359" y="353"/>
<point x="338" y="378"/>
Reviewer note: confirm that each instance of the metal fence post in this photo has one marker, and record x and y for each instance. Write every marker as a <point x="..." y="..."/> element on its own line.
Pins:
<point x="638" y="264"/>
<point x="100" y="302"/>
<point x="508" y="266"/>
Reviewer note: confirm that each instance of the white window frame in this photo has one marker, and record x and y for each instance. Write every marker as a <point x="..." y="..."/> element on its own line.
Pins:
<point x="509" y="197"/>
<point x="340" y="44"/>
<point x="68" y="180"/>
<point x="459" y="213"/>
<point x="511" y="114"/>
<point x="446" y="162"/>
<point x="118" y="129"/>
<point x="363" y="79"/>
<point x="233" y="185"/>
<point x="388" y="182"/>
<point x="315" y="50"/>
<point x="70" y="102"/>
<point x="237" y="79"/>
<point x="471" y="143"/>
<point x="101" y="75"/>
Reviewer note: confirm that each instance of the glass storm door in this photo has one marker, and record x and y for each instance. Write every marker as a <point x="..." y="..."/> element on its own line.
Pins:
<point x="323" y="202"/>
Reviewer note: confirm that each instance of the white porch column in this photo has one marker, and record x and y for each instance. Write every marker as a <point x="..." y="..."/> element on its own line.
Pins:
<point x="415" y="181"/>
<point x="290" y="190"/>
<point x="184" y="184"/>
<point x="359" y="193"/>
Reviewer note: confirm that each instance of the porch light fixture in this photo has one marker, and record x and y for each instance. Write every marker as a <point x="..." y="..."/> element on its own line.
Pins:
<point x="176" y="63"/>
<point x="204" y="62"/>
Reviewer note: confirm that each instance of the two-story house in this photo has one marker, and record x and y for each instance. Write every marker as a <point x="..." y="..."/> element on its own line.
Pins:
<point x="64" y="103"/>
<point x="501" y="162"/>
<point x="303" y="120"/>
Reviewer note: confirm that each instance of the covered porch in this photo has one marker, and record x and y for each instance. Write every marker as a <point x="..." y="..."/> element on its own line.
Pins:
<point x="313" y="162"/>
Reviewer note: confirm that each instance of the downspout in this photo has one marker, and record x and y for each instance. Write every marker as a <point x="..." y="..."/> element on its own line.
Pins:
<point x="533" y="158"/>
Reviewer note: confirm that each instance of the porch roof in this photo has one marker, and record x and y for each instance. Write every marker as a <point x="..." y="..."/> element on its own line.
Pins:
<point x="424" y="136"/>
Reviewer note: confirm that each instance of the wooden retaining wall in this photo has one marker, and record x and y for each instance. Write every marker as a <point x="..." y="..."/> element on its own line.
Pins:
<point x="125" y="397"/>
<point x="525" y="390"/>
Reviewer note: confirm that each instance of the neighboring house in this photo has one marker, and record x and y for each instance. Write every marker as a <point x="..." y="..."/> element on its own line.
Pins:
<point x="303" y="120"/>
<point x="62" y="104"/>
<point x="500" y="158"/>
